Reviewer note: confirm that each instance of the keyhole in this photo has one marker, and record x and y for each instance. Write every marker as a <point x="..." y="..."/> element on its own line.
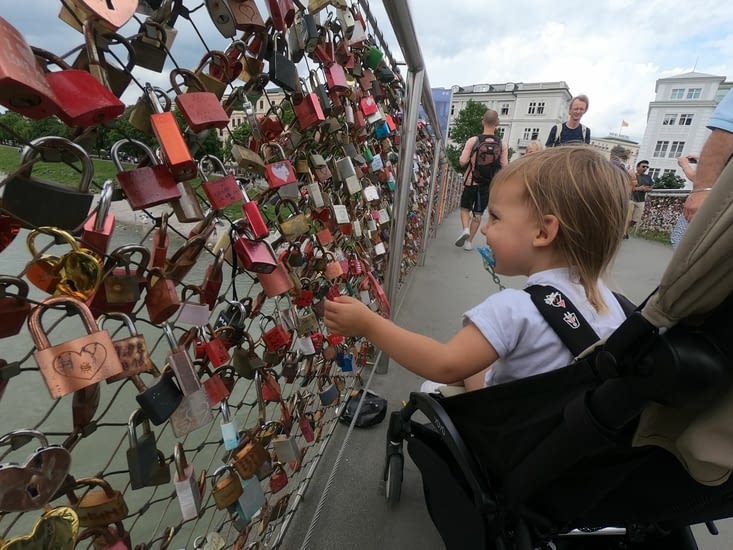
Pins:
<point x="110" y="6"/>
<point x="33" y="490"/>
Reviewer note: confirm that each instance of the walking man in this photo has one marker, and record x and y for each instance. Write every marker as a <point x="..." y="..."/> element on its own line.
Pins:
<point x="483" y="156"/>
<point x="571" y="132"/>
<point x="643" y="185"/>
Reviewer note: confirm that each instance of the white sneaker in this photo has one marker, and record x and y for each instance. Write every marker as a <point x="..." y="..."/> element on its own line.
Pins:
<point x="462" y="238"/>
<point x="467" y="246"/>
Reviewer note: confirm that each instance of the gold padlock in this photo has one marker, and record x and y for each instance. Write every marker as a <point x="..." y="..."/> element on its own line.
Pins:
<point x="248" y="458"/>
<point x="100" y="507"/>
<point x="228" y="489"/>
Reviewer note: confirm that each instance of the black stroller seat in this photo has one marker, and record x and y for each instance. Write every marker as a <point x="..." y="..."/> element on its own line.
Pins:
<point x="517" y="465"/>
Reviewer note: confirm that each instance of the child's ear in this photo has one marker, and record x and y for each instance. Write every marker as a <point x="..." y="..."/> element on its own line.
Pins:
<point x="547" y="231"/>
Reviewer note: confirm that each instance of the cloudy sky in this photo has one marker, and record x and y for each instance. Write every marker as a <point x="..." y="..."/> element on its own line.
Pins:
<point x="613" y="51"/>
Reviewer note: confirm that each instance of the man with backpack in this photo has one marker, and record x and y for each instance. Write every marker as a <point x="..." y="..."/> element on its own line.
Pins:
<point x="483" y="156"/>
<point x="571" y="132"/>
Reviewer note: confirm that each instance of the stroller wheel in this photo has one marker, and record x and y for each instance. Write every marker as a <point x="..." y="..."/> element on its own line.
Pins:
<point x="393" y="478"/>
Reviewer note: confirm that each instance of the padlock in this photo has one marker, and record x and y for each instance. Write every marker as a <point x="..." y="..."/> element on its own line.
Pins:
<point x="188" y="207"/>
<point x="290" y="367"/>
<point x="142" y="453"/>
<point x="279" y="171"/>
<point x="328" y="393"/>
<point x="201" y="109"/>
<point x="56" y="528"/>
<point x="276" y="338"/>
<point x="245" y="360"/>
<point x="193" y="413"/>
<point x="33" y="484"/>
<point x="110" y="537"/>
<point x="248" y="458"/>
<point x="254" y="255"/>
<point x="37" y="202"/>
<point x="159" y="243"/>
<point x="76" y="274"/>
<point x="278" y="479"/>
<point x="81" y="100"/>
<point x="132" y="350"/>
<point x="14" y="308"/>
<point x="212" y="84"/>
<point x="229" y="432"/>
<point x="23" y="86"/>
<point x="121" y="285"/>
<point x="181" y="363"/>
<point x="307" y="321"/>
<point x="226" y="490"/>
<point x="216" y="349"/>
<point x="146" y="186"/>
<point x="221" y="192"/>
<point x="269" y="388"/>
<point x="174" y="151"/>
<point x="140" y="113"/>
<point x="77" y="363"/>
<point x="192" y="312"/>
<point x="252" y="213"/>
<point x="286" y="448"/>
<point x="215" y="387"/>
<point x="97" y="507"/>
<point x="161" y="300"/>
<point x="295" y="225"/>
<point x="152" y="44"/>
<point x="98" y="229"/>
<point x="234" y="317"/>
<point x="277" y="282"/>
<point x="247" y="159"/>
<point x="213" y="279"/>
<point x="186" y="484"/>
<point x="161" y="399"/>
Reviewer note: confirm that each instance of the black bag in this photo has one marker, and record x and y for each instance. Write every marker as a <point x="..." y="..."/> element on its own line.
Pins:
<point x="373" y="409"/>
<point x="486" y="155"/>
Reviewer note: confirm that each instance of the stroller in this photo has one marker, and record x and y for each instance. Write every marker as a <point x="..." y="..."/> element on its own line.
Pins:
<point x="625" y="448"/>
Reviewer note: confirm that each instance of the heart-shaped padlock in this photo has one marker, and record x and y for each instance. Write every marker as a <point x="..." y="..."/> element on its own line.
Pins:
<point x="32" y="485"/>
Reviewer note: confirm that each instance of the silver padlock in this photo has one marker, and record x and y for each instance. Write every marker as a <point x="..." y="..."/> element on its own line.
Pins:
<point x="286" y="448"/>
<point x="181" y="364"/>
<point x="192" y="313"/>
<point x="187" y="487"/>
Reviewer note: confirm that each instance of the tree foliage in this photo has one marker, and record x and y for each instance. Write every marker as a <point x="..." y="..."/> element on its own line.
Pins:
<point x="670" y="180"/>
<point x="467" y="124"/>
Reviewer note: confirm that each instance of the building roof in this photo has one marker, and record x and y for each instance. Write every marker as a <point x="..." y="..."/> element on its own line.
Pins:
<point x="619" y="139"/>
<point x="691" y="76"/>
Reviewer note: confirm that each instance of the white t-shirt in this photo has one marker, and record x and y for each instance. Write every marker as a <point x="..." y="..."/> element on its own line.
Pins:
<point x="525" y="343"/>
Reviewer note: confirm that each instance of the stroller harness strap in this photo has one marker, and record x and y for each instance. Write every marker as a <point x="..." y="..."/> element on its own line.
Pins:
<point x="563" y="317"/>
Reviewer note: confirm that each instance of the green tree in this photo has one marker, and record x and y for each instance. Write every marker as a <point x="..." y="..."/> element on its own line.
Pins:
<point x="467" y="124"/>
<point x="14" y="127"/>
<point x="49" y="126"/>
<point x="670" y="180"/>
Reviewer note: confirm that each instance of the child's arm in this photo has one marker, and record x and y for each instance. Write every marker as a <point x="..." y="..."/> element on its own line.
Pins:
<point x="465" y="354"/>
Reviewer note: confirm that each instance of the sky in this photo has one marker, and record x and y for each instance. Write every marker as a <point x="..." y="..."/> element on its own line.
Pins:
<point x="612" y="51"/>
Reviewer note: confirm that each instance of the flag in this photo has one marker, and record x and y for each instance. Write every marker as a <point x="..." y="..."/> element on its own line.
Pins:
<point x="624" y="123"/>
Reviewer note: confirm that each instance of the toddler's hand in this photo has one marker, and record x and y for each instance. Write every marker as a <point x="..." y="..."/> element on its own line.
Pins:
<point x="346" y="316"/>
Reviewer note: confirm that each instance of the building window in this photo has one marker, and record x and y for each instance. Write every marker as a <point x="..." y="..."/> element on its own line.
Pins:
<point x="694" y="93"/>
<point x="540" y="107"/>
<point x="532" y="109"/>
<point x="668" y="171"/>
<point x="500" y="132"/>
<point x="676" y="149"/>
<point x="527" y="134"/>
<point x="669" y="119"/>
<point x="678" y="93"/>
<point x="262" y="104"/>
<point x="452" y="109"/>
<point x="535" y="133"/>
<point x="660" y="149"/>
<point x="685" y="119"/>
<point x="504" y="108"/>
<point x="654" y="173"/>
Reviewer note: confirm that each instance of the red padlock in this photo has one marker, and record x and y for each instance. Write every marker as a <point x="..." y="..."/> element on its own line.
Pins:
<point x="201" y="109"/>
<point x="278" y="478"/>
<point x="148" y="185"/>
<point x="98" y="229"/>
<point x="276" y="338"/>
<point x="213" y="280"/>
<point x="221" y="192"/>
<point x="216" y="390"/>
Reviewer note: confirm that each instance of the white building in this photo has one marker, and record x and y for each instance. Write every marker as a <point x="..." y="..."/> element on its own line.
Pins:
<point x="605" y="144"/>
<point x="527" y="111"/>
<point x="261" y="107"/>
<point x="677" y="119"/>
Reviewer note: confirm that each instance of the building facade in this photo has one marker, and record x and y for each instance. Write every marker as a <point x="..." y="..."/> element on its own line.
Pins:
<point x="527" y="111"/>
<point x="677" y="119"/>
<point x="605" y="144"/>
<point x="260" y="107"/>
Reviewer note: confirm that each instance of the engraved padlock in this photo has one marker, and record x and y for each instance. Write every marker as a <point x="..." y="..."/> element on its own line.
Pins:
<point x="97" y="507"/>
<point x="132" y="350"/>
<point x="248" y="458"/>
<point x="78" y="363"/>
<point x="187" y="487"/>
